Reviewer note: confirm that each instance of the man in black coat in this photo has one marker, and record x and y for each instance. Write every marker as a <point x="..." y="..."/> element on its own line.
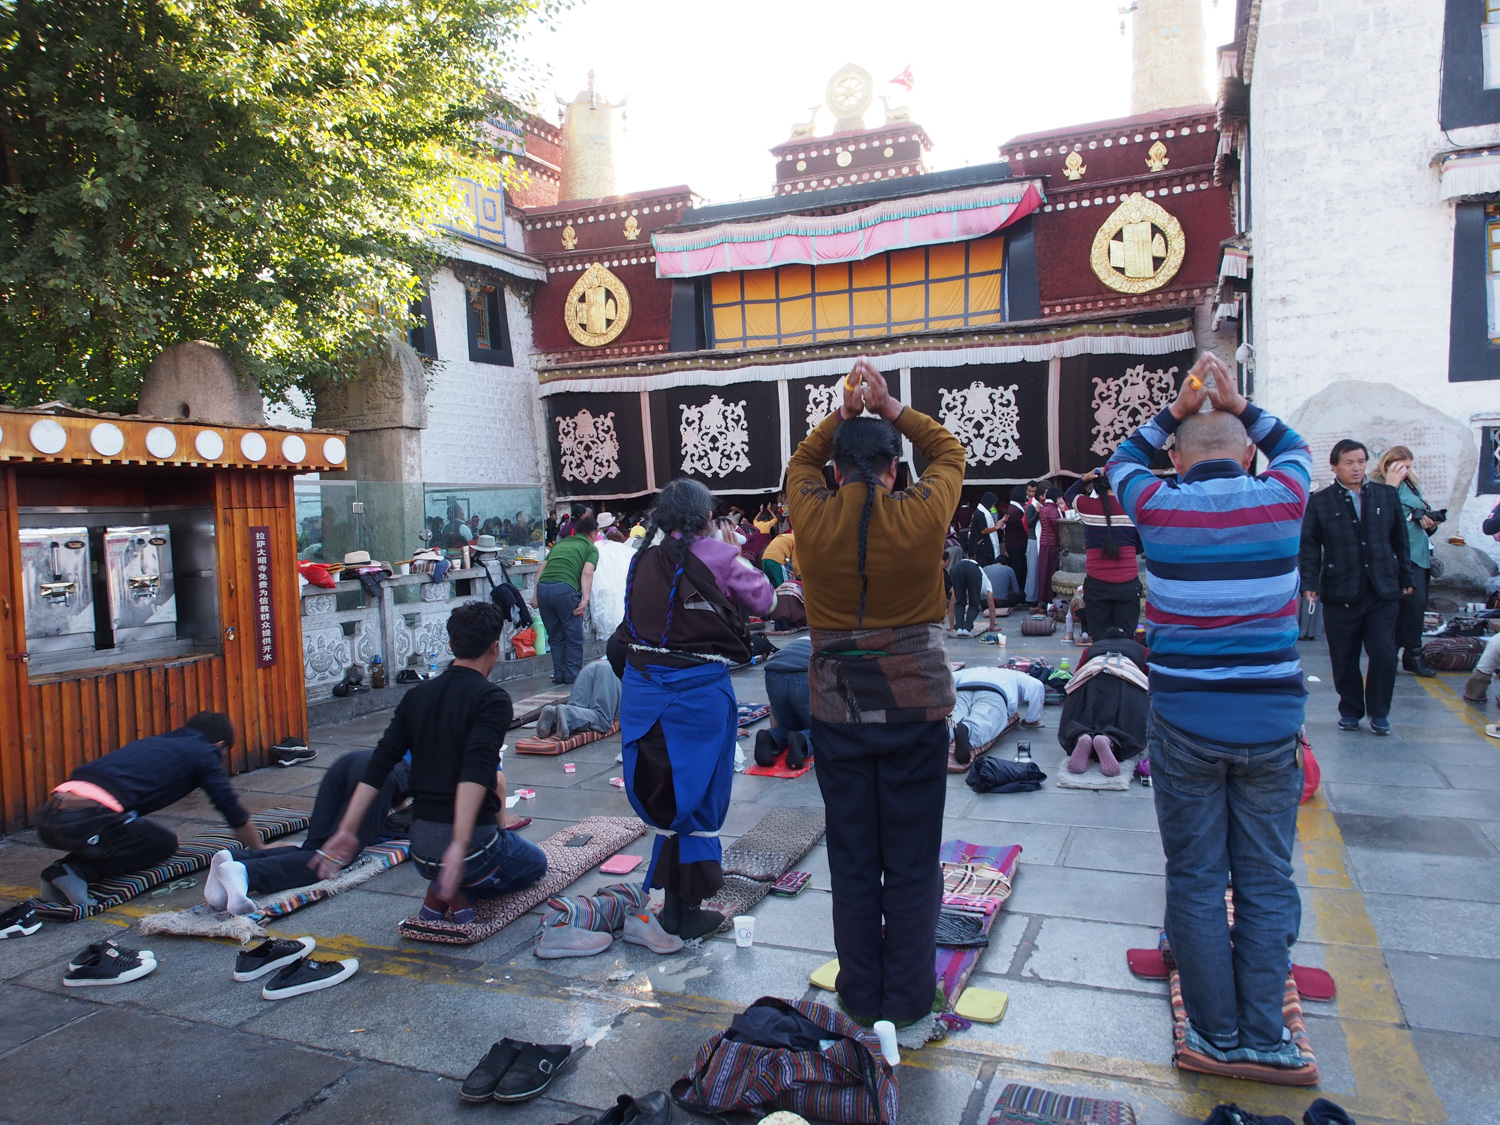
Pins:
<point x="1355" y="559"/>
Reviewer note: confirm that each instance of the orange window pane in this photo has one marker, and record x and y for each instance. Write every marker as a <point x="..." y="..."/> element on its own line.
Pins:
<point x="946" y="261"/>
<point x="729" y="328"/>
<point x="870" y="308"/>
<point x="796" y="320"/>
<point x="871" y="272"/>
<point x="832" y="313"/>
<point x="984" y="293"/>
<point x="909" y="305"/>
<point x="945" y="299"/>
<point x="760" y="285"/>
<point x="908" y="266"/>
<point x="829" y="279"/>
<point x="986" y="254"/>
<point x="726" y="288"/>
<point x="760" y="324"/>
<point x="937" y="323"/>
<point x="986" y="318"/>
<point x="795" y="281"/>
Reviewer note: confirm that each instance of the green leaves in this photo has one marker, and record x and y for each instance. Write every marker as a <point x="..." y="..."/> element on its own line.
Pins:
<point x="262" y="174"/>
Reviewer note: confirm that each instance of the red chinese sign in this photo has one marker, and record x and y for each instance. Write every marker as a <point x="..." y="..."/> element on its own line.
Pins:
<point x="261" y="593"/>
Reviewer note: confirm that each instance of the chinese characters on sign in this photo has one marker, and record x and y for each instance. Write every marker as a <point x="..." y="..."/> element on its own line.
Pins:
<point x="260" y="578"/>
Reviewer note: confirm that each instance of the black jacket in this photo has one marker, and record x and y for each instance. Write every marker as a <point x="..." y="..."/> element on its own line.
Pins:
<point x="1337" y="548"/>
<point x="152" y="773"/>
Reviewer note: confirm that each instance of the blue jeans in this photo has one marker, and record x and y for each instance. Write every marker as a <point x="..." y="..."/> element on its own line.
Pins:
<point x="556" y="601"/>
<point x="499" y="864"/>
<point x="791" y="706"/>
<point x="1227" y="813"/>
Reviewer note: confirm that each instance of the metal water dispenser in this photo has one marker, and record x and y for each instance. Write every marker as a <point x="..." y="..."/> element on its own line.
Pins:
<point x="58" y="588"/>
<point x="138" y="572"/>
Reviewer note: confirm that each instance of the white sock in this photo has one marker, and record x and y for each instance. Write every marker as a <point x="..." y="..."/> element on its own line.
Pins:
<point x="236" y="882"/>
<point x="213" y="887"/>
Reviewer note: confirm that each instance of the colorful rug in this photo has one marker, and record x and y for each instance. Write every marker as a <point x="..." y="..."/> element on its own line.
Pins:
<point x="753" y="713"/>
<point x="554" y="746"/>
<point x="524" y="711"/>
<point x="779" y="768"/>
<point x="192" y="855"/>
<point x="204" y="921"/>
<point x="1291" y="1012"/>
<point x="1031" y="1105"/>
<point x="565" y="866"/>
<point x="763" y="855"/>
<point x="977" y="880"/>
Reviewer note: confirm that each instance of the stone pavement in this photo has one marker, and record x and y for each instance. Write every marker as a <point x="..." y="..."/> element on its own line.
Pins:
<point x="1397" y="863"/>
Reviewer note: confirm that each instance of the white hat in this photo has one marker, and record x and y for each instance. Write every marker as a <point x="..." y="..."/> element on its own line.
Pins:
<point x="486" y="543"/>
<point x="606" y="520"/>
<point x="357" y="558"/>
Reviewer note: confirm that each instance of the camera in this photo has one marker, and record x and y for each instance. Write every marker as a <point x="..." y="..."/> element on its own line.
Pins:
<point x="1436" y="515"/>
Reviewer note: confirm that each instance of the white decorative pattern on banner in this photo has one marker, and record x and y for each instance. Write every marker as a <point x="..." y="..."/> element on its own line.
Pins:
<point x="986" y="421"/>
<point x="590" y="447"/>
<point x="822" y="400"/>
<point x="715" y="438"/>
<point x="1120" y="405"/>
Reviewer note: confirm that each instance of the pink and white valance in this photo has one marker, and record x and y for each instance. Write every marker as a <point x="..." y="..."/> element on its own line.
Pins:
<point x="895" y="224"/>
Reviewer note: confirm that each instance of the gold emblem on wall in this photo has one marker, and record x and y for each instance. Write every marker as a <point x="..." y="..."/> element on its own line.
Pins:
<point x="1139" y="248"/>
<point x="598" y="308"/>
<point x="1156" y="157"/>
<point x="570" y="237"/>
<point x="1074" y="167"/>
<point x="632" y="229"/>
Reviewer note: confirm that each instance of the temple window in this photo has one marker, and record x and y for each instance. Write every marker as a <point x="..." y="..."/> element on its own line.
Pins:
<point x="489" y="333"/>
<point x="1492" y="267"/>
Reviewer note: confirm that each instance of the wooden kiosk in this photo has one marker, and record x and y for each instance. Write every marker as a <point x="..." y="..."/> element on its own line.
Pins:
<point x="148" y="571"/>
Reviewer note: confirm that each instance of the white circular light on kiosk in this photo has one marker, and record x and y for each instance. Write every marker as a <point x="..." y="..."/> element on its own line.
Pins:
<point x="48" y="436"/>
<point x="161" y="442"/>
<point x="293" y="448"/>
<point x="107" y="439"/>
<point x="209" y="444"/>
<point x="253" y="446"/>
<point x="333" y="451"/>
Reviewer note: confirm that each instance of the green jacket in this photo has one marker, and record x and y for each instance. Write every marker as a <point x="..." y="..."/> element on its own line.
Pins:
<point x="1421" y="545"/>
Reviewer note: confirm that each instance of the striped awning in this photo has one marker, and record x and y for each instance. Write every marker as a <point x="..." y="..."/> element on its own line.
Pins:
<point x="894" y="224"/>
<point x="1470" y="173"/>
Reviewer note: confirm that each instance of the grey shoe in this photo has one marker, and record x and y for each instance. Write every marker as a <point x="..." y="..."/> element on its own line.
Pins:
<point x="644" y="929"/>
<point x="570" y="941"/>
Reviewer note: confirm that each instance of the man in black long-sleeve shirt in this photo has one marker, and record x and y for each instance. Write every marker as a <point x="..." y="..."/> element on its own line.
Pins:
<point x="97" y="815"/>
<point x="455" y="728"/>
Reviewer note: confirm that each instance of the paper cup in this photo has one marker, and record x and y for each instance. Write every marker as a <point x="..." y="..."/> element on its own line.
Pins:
<point x="403" y="568"/>
<point x="744" y="930"/>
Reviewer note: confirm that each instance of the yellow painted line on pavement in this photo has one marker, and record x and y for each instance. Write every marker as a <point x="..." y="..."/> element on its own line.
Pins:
<point x="1444" y="693"/>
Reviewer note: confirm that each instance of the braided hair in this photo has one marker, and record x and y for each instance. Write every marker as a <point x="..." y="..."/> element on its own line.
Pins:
<point x="863" y="449"/>
<point x="685" y="507"/>
<point x="1110" y="548"/>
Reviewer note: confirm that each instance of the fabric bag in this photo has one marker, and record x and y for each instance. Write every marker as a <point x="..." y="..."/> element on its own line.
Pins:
<point x="1312" y="775"/>
<point x="1037" y="627"/>
<point x="1453" y="654"/>
<point x="846" y="1081"/>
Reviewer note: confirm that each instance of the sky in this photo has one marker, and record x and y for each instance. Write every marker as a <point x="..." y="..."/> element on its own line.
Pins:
<point x="711" y="86"/>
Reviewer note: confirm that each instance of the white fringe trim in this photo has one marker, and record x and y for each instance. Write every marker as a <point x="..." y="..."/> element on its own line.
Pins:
<point x="826" y="367"/>
<point x="1471" y="174"/>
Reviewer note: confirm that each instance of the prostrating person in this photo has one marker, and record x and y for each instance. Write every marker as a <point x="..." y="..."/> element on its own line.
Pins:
<point x="683" y="631"/>
<point x="1356" y="561"/>
<point x="791" y="707"/>
<point x="562" y="596"/>
<point x="988" y="699"/>
<point x="1226" y="701"/>
<point x="966" y="581"/>
<point x="1105" y="712"/>
<point x="1111" y="575"/>
<point x="881" y="688"/>
<point x="455" y="728"/>
<point x="98" y="816"/>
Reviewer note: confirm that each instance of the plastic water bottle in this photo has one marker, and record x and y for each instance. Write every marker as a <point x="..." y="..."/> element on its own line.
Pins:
<point x="541" y="633"/>
<point x="432" y="665"/>
<point x="1064" y="666"/>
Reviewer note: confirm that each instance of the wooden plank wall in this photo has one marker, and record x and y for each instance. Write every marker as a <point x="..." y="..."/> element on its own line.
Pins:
<point x="50" y="725"/>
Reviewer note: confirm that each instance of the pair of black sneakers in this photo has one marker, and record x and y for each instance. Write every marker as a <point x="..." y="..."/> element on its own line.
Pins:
<point x="513" y="1071"/>
<point x="296" y="972"/>
<point x="291" y="751"/>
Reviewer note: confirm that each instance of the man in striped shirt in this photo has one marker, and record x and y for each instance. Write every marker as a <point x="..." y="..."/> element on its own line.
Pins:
<point x="1226" y="700"/>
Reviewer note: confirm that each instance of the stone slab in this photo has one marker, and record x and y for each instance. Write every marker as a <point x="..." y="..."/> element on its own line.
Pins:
<point x="1438" y="926"/>
<point x="1465" y="1072"/>
<point x="1068" y="892"/>
<point x="1071" y="951"/>
<point x="1427" y="876"/>
<point x="29" y="1013"/>
<point x="1107" y="849"/>
<point x="1427" y="834"/>
<point x="1448" y="993"/>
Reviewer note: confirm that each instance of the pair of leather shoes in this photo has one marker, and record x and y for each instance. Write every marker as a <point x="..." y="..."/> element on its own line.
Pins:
<point x="653" y="1109"/>
<point x="513" y="1071"/>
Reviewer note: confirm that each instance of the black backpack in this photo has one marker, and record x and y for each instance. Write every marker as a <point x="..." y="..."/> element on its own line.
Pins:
<point x="508" y="598"/>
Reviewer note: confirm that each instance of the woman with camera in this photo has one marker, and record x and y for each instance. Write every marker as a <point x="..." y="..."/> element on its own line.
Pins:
<point x="1394" y="469"/>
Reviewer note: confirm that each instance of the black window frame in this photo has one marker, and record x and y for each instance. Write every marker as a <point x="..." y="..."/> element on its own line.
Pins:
<point x="1488" y="478"/>
<point x="423" y="337"/>
<point x="494" y="296"/>
<point x="1465" y="101"/>
<point x="1472" y="355"/>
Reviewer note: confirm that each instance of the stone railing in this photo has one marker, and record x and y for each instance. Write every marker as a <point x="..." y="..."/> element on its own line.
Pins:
<point x="334" y="638"/>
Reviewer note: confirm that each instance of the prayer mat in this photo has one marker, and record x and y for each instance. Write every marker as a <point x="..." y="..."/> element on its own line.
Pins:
<point x="565" y="866"/>
<point x="980" y="751"/>
<point x="192" y="855"/>
<point x="753" y="713"/>
<point x="1291" y="1012"/>
<point x="779" y="768"/>
<point x="524" y="711"/>
<point x="974" y="877"/>
<point x="773" y="847"/>
<point x="1031" y="1105"/>
<point x="1093" y="778"/>
<point x="1312" y="984"/>
<point x="786" y="632"/>
<point x="204" y="921"/>
<point x="555" y="746"/>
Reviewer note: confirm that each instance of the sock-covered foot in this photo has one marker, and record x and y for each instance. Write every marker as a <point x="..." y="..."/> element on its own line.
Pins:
<point x="461" y="907"/>
<point x="214" y="892"/>
<point x="796" y="750"/>
<point x="963" y="749"/>
<point x="236" y="881"/>
<point x="68" y="883"/>
<point x="697" y="922"/>
<point x="1078" y="760"/>
<point x="434" y="908"/>
<point x="1109" y="765"/>
<point x="765" y="749"/>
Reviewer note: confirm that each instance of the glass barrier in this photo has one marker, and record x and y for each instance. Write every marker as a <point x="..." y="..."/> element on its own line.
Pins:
<point x="457" y="514"/>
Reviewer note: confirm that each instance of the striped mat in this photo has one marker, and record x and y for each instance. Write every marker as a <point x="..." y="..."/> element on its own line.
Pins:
<point x="1291" y="1012"/>
<point x="554" y="746"/>
<point x="955" y="966"/>
<point x="192" y="855"/>
<point x="1032" y="1105"/>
